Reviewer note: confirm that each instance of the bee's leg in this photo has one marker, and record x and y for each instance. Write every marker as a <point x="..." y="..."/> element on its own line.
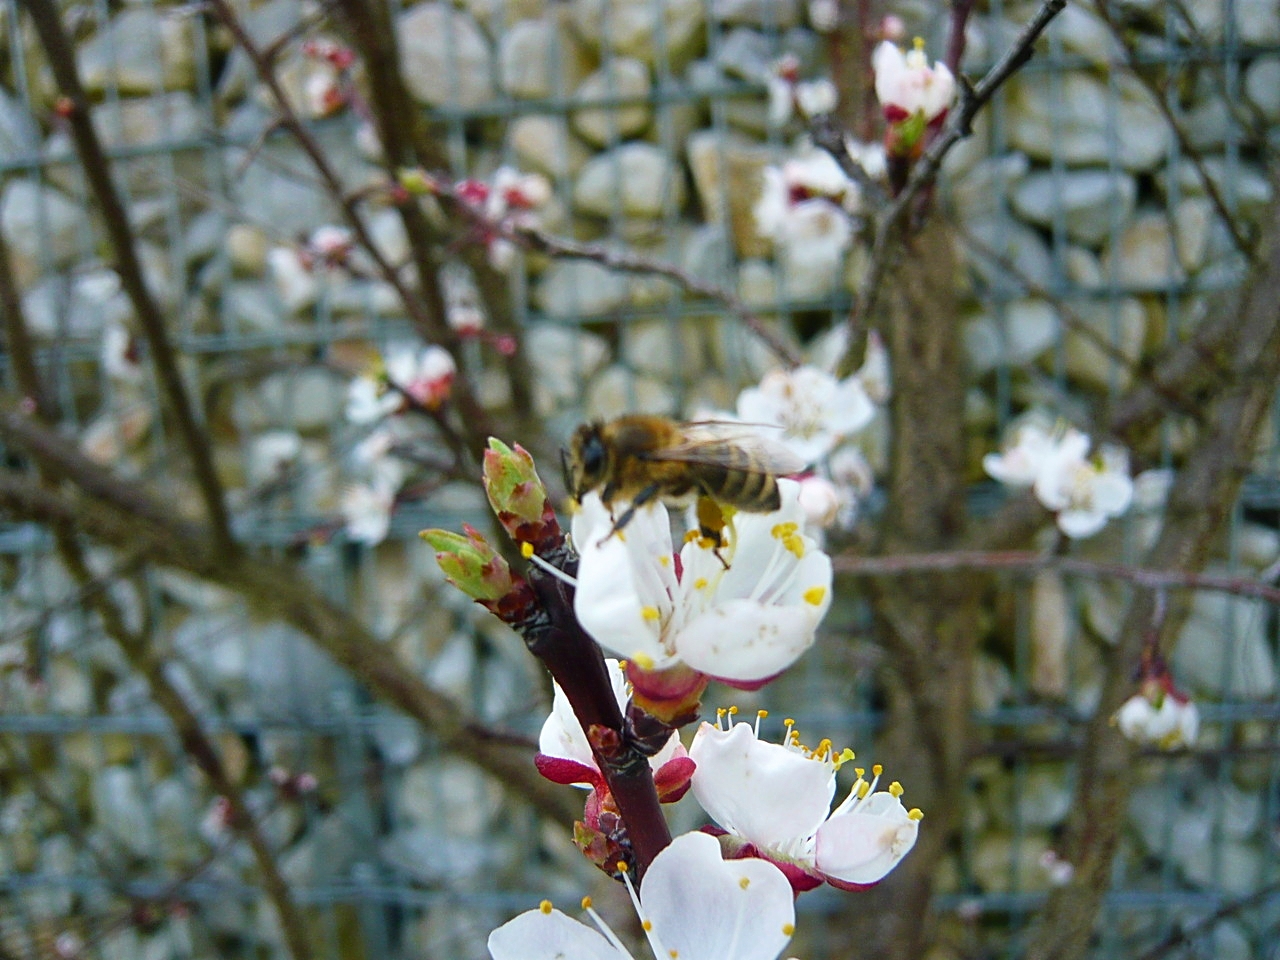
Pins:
<point x="641" y="498"/>
<point x="711" y="524"/>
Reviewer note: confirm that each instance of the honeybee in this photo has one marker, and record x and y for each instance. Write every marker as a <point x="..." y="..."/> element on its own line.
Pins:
<point x="639" y="457"/>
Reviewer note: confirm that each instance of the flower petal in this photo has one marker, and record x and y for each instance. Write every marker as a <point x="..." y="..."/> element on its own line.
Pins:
<point x="861" y="846"/>
<point x="706" y="908"/>
<point x="759" y="791"/>
<point x="535" y="935"/>
<point x="745" y="640"/>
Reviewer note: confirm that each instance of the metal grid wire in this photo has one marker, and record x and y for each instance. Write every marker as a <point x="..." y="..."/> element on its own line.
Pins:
<point x="401" y="853"/>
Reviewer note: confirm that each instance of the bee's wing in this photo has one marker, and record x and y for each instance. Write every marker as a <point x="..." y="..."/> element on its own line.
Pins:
<point x="714" y="442"/>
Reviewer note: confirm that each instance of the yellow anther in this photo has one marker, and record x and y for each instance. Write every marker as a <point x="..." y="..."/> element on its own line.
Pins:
<point x="846" y="755"/>
<point x="691" y="536"/>
<point x="795" y="544"/>
<point x="788" y="929"/>
<point x="895" y="788"/>
<point x="744" y="882"/>
<point x="918" y="43"/>
<point x="646" y="925"/>
<point x="651" y="613"/>
<point x="673" y="954"/>
<point x="860" y="771"/>
<point x="876" y="769"/>
<point x="706" y="543"/>
<point x="815" y="595"/>
<point x="700" y="583"/>
<point x="545" y="906"/>
<point x="788" y="722"/>
<point x="664" y="560"/>
<point x="586" y="903"/>
<point x="622" y="866"/>
<point x="643" y="661"/>
<point x="915" y="813"/>
<point x="762" y="714"/>
<point x="526" y="549"/>
<point x="720" y="712"/>
<point x="864" y="788"/>
<point x="733" y="711"/>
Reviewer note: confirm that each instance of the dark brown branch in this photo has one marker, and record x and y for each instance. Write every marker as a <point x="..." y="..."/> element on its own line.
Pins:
<point x="97" y="170"/>
<point x="1026" y="561"/>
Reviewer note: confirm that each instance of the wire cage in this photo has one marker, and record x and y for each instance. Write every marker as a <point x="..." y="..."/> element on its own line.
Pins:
<point x="1088" y="205"/>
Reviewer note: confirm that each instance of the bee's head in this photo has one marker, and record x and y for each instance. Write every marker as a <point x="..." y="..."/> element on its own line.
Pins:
<point x="586" y="460"/>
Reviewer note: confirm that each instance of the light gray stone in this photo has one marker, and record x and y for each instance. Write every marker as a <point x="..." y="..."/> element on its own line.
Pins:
<point x="80" y="307"/>
<point x="1077" y="121"/>
<point x="664" y="350"/>
<point x="562" y="359"/>
<point x="450" y="794"/>
<point x="120" y="810"/>
<point x="445" y="56"/>
<point x="728" y="171"/>
<point x="538" y="59"/>
<point x="580" y="288"/>
<point x="1198" y="233"/>
<point x="1262" y="86"/>
<point x="775" y="14"/>
<point x="1223" y="651"/>
<point x="1143" y="257"/>
<point x="1242" y="186"/>
<point x="634" y="180"/>
<point x="140" y="50"/>
<point x="648" y="31"/>
<point x="1088" y="201"/>
<point x="1125" y="330"/>
<point x="546" y="145"/>
<point x="745" y="54"/>
<point x="981" y="192"/>
<point x="1087" y="34"/>
<point x="19" y="135"/>
<point x="1020" y="255"/>
<point x="622" y="78"/>
<point x="617" y="390"/>
<point x="303" y="400"/>
<point x="40" y="222"/>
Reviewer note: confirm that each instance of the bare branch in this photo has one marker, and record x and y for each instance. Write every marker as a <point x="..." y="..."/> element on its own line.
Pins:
<point x="97" y="170"/>
<point x="958" y="126"/>
<point x="1026" y="561"/>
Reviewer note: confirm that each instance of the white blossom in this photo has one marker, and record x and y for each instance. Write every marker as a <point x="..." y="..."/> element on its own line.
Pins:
<point x="1168" y="721"/>
<point x="813" y="408"/>
<point x="906" y="85"/>
<point x="777" y="797"/>
<point x="692" y="903"/>
<point x="745" y="623"/>
<point x="120" y="354"/>
<point x="366" y="512"/>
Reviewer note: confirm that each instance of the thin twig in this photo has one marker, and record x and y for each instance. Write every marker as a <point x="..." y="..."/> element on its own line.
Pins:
<point x="431" y="322"/>
<point x="958" y="126"/>
<point x="1193" y="932"/>
<point x="1188" y="151"/>
<point x="97" y="170"/>
<point x="627" y="262"/>
<point x="1031" y="562"/>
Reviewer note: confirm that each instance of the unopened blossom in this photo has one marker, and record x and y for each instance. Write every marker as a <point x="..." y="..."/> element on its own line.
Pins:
<point x="323" y="92"/>
<point x="824" y="15"/>
<point x="870" y="157"/>
<point x="907" y="87"/>
<point x="564" y="755"/>
<point x="424" y="375"/>
<point x="1161" y="717"/>
<point x="331" y="244"/>
<point x="692" y="904"/>
<point x="293" y="279"/>
<point x="813" y="409"/>
<point x="776" y="798"/>
<point x="742" y="614"/>
<point x="462" y="309"/>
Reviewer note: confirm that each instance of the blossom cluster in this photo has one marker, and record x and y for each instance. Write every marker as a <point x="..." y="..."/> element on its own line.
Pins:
<point x="1083" y="492"/>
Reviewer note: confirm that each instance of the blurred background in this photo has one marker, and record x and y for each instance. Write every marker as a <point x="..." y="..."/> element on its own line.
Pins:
<point x="1099" y="211"/>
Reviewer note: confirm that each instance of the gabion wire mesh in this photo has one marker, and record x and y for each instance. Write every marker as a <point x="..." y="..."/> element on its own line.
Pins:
<point x="111" y="845"/>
